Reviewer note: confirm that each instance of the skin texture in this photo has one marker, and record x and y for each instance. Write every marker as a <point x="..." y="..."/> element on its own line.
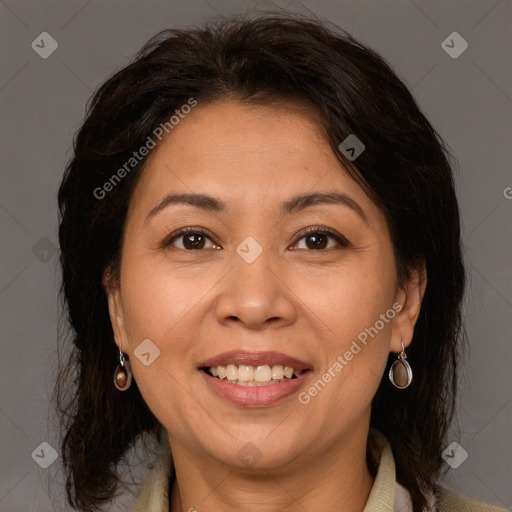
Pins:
<point x="308" y="303"/>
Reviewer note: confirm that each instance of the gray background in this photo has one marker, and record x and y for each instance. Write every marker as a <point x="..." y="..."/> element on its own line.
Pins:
<point x="468" y="100"/>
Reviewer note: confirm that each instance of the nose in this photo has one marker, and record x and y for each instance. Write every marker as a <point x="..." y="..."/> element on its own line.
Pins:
<point x="255" y="295"/>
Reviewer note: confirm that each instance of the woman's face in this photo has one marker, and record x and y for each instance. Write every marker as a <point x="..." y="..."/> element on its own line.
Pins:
<point x="250" y="280"/>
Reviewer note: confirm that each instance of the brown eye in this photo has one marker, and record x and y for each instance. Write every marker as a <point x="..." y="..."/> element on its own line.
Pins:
<point x="319" y="238"/>
<point x="316" y="241"/>
<point x="194" y="241"/>
<point x="190" y="240"/>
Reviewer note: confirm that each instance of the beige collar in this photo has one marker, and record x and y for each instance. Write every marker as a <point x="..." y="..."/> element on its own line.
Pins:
<point x="385" y="496"/>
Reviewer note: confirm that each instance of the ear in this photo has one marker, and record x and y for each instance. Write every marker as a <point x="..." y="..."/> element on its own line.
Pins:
<point x="115" y="309"/>
<point x="410" y="297"/>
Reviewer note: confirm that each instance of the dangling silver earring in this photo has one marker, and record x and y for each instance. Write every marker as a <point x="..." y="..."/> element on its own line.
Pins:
<point x="400" y="373"/>
<point x="122" y="373"/>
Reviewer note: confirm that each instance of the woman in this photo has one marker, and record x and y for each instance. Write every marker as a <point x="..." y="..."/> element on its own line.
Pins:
<point x="262" y="266"/>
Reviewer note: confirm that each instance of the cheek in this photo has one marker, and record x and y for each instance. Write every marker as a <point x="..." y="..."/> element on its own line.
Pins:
<point x="353" y="299"/>
<point x="157" y="305"/>
<point x="164" y="310"/>
<point x="356" y="306"/>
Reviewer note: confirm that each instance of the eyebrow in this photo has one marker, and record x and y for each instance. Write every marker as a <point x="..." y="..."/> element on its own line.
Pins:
<point x="295" y="204"/>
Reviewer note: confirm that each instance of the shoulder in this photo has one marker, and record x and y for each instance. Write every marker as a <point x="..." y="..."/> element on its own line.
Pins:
<point x="155" y="494"/>
<point x="452" y="501"/>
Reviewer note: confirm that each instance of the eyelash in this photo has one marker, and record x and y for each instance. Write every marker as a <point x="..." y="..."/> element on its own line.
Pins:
<point x="340" y="239"/>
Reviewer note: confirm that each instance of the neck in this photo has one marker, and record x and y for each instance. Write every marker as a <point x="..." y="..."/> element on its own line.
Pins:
<point x="338" y="479"/>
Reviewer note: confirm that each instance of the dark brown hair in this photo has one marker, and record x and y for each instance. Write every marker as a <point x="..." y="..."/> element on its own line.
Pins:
<point x="405" y="169"/>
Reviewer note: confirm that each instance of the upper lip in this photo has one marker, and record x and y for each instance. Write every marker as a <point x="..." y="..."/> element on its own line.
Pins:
<point x="271" y="358"/>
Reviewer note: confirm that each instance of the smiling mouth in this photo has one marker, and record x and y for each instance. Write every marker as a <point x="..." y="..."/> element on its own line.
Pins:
<point x="247" y="375"/>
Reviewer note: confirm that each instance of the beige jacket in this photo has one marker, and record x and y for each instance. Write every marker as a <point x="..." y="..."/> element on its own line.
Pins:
<point x="386" y="495"/>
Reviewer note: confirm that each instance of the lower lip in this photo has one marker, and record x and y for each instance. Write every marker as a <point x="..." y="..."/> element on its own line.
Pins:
<point x="254" y="396"/>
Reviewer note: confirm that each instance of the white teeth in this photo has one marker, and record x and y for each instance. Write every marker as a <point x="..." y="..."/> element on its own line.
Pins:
<point x="231" y="372"/>
<point x="247" y="375"/>
<point x="277" y="372"/>
<point x="263" y="373"/>
<point x="288" y="372"/>
<point x="253" y="383"/>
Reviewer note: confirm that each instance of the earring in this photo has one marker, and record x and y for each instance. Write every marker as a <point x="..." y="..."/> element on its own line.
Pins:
<point x="400" y="373"/>
<point x="122" y="373"/>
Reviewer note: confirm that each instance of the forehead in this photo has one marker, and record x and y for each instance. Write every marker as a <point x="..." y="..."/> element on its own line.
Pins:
<point x="247" y="155"/>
